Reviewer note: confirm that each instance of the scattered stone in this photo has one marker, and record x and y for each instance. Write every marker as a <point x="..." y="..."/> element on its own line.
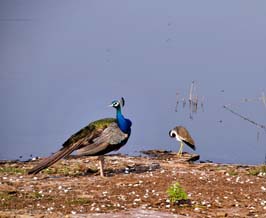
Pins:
<point x="221" y="214"/>
<point x="211" y="188"/>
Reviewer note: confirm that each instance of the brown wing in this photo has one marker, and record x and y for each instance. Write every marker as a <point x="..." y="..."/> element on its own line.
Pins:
<point x="110" y="139"/>
<point x="88" y="133"/>
<point x="185" y="136"/>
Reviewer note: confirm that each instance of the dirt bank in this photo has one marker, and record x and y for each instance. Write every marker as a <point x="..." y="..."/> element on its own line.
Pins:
<point x="133" y="185"/>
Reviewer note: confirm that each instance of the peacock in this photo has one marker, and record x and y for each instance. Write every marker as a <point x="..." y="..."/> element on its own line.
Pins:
<point x="181" y="134"/>
<point x="96" y="139"/>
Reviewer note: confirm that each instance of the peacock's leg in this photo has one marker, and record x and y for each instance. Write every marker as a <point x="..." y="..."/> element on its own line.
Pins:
<point x="101" y="165"/>
<point x="179" y="154"/>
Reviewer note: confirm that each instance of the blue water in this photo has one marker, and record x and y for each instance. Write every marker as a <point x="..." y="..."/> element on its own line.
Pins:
<point x="62" y="63"/>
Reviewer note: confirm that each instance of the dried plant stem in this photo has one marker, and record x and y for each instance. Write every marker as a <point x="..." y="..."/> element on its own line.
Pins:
<point x="177" y="101"/>
<point x="245" y="118"/>
<point x="263" y="99"/>
<point x="190" y="98"/>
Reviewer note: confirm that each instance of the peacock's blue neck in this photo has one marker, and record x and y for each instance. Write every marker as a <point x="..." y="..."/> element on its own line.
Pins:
<point x="123" y="124"/>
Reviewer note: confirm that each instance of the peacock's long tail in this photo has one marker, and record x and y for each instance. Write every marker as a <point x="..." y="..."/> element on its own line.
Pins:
<point x="63" y="152"/>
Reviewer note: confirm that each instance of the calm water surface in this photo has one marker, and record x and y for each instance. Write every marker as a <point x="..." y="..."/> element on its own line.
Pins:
<point x="62" y="63"/>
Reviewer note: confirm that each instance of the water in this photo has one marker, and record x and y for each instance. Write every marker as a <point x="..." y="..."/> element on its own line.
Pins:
<point x="62" y="63"/>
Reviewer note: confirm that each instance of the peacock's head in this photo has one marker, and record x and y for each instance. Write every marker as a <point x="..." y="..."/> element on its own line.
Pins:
<point x="117" y="104"/>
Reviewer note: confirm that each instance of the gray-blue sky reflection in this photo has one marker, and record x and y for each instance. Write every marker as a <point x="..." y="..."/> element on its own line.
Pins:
<point x="62" y="62"/>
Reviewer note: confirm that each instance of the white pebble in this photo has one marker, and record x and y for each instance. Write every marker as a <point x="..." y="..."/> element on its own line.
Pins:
<point x="262" y="174"/>
<point x="126" y="170"/>
<point x="204" y="202"/>
<point x="263" y="203"/>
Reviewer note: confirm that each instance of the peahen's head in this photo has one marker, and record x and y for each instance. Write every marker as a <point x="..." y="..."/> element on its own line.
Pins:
<point x="118" y="104"/>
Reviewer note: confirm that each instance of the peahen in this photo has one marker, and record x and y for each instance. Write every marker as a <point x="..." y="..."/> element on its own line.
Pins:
<point x="96" y="139"/>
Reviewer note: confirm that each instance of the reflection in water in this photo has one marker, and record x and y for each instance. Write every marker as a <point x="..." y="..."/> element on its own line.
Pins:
<point x="53" y="84"/>
<point x="262" y="99"/>
<point x="245" y="118"/>
<point x="238" y="137"/>
<point x="193" y="100"/>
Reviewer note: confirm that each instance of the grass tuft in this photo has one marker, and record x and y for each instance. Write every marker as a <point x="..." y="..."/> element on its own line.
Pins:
<point x="258" y="170"/>
<point x="12" y="170"/>
<point x="176" y="193"/>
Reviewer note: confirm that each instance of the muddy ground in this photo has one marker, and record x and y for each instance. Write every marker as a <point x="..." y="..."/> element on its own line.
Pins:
<point x="133" y="187"/>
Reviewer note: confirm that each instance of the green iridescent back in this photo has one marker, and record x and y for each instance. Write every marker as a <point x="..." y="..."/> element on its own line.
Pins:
<point x="91" y="129"/>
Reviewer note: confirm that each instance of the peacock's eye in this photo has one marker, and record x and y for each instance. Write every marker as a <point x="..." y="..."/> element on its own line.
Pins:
<point x="115" y="104"/>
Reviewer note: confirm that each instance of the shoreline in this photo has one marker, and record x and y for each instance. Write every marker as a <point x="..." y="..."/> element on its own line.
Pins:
<point x="73" y="188"/>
